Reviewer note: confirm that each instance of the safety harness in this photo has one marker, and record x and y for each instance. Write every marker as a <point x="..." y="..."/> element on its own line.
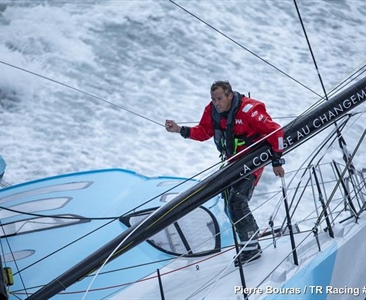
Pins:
<point x="225" y="140"/>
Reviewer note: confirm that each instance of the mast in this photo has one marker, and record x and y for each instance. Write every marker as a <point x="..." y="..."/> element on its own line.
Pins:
<point x="296" y="133"/>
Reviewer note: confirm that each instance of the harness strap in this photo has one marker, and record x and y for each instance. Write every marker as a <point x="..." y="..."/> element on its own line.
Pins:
<point x="244" y="140"/>
<point x="225" y="140"/>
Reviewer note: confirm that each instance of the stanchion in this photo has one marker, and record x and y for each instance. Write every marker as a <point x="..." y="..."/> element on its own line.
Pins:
<point x="289" y="225"/>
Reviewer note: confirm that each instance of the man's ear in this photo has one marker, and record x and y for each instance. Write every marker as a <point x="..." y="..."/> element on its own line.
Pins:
<point x="231" y="95"/>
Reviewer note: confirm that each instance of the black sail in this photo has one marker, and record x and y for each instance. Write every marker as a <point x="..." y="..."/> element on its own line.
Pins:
<point x="296" y="133"/>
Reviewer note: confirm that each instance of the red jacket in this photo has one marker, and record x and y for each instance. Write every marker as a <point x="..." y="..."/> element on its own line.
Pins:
<point x="250" y="119"/>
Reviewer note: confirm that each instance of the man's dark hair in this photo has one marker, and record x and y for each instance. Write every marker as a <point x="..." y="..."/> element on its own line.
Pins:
<point x="225" y="85"/>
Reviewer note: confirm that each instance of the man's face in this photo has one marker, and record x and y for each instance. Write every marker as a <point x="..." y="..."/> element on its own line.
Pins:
<point x="220" y="100"/>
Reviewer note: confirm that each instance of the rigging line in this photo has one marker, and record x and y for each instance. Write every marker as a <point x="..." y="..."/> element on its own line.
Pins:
<point x="243" y="47"/>
<point x="347" y="80"/>
<point x="12" y="256"/>
<point x="335" y="89"/>
<point x="209" y="168"/>
<point x="341" y="177"/>
<point x="260" y="205"/>
<point x="145" y="278"/>
<point x="168" y="271"/>
<point x="211" y="283"/>
<point x="83" y="92"/>
<point x="342" y="143"/>
<point x="98" y="269"/>
<point x="134" y="266"/>
<point x="311" y="50"/>
<point x="312" y="157"/>
<point x="20" y="212"/>
<point x="354" y="197"/>
<point x="285" y="259"/>
<point x="63" y="247"/>
<point x="274" y="118"/>
<point x="174" y="259"/>
<point x="341" y="84"/>
<point x="112" y="218"/>
<point x="314" y="154"/>
<point x="224" y="229"/>
<point x="221" y="274"/>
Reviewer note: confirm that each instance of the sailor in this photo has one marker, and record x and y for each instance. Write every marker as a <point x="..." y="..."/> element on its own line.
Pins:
<point x="236" y="122"/>
<point x="2" y="167"/>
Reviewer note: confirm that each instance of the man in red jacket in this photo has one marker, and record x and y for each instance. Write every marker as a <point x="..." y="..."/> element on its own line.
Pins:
<point x="235" y="122"/>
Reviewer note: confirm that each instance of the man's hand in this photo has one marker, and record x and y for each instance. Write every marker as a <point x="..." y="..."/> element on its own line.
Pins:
<point x="279" y="171"/>
<point x="171" y="126"/>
